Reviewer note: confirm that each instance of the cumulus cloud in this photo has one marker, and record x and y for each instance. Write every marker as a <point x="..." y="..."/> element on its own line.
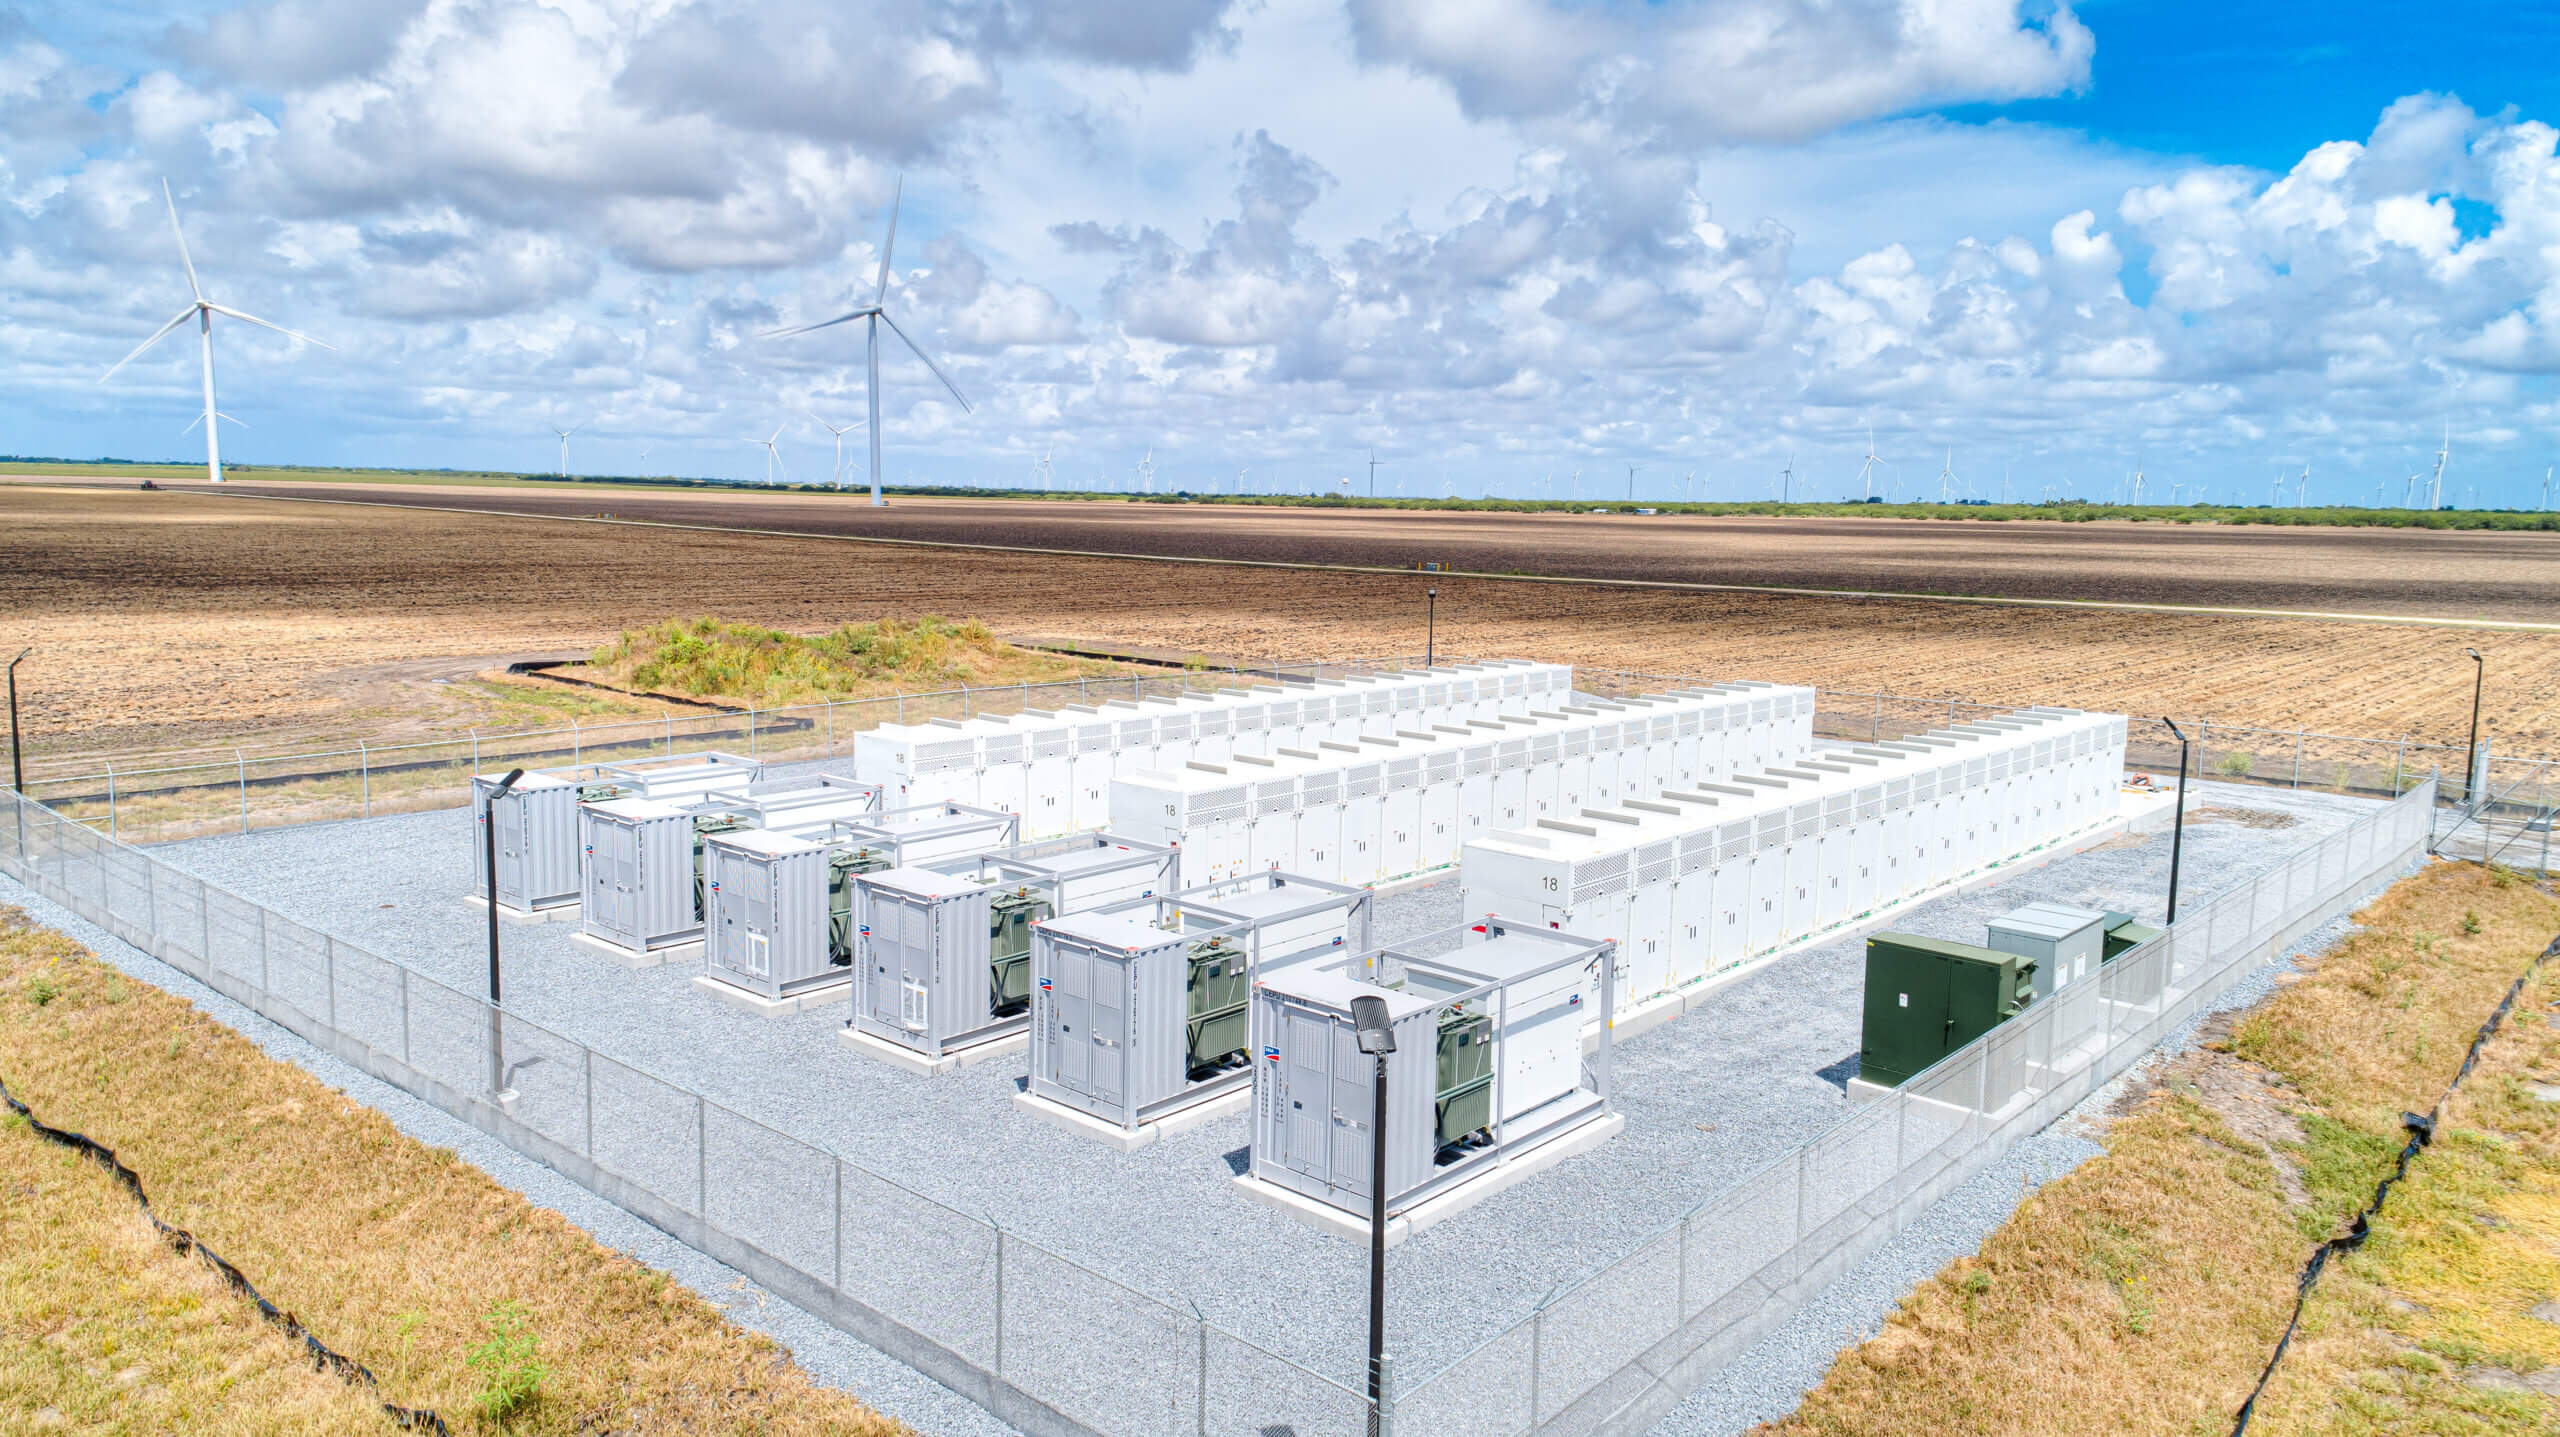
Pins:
<point x="1703" y="71"/>
<point x="285" y="44"/>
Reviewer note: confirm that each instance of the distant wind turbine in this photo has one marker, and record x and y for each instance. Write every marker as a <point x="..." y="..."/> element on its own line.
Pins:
<point x="564" y="445"/>
<point x="2435" y="486"/>
<point x="1631" y="483"/>
<point x="1787" y="476"/>
<point x="2546" y="489"/>
<point x="1867" y="471"/>
<point x="2301" y="485"/>
<point x="875" y="316"/>
<point x="1147" y="472"/>
<point x="838" y="480"/>
<point x="202" y="311"/>
<point x="772" y="455"/>
<point x="1947" y="478"/>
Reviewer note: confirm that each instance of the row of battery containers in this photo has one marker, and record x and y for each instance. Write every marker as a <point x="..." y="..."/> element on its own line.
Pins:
<point x="1490" y="1058"/>
<point x="643" y="857"/>
<point x="1138" y="1009"/>
<point x="1390" y="807"/>
<point x="1054" y="768"/>
<point x="539" y="862"/>
<point x="1702" y="880"/>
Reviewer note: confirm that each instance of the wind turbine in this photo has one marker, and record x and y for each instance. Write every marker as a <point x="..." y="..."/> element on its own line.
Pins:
<point x="772" y="455"/>
<point x="874" y="316"/>
<point x="1787" y="476"/>
<point x="2300" y="485"/>
<point x="1866" y="471"/>
<point x="1947" y="477"/>
<point x="564" y="445"/>
<point x="202" y="311"/>
<point x="838" y="481"/>
<point x="1373" y="473"/>
<point x="1631" y="483"/>
<point x="2137" y="483"/>
<point x="1147" y="472"/>
<point x="2546" y="489"/>
<point x="2435" y="486"/>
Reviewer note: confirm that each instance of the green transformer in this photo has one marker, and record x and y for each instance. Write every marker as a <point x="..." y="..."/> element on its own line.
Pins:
<point x="1927" y="997"/>
<point x="1010" y="915"/>
<point x="2124" y="933"/>
<point x="1214" y="1004"/>
<point x="1463" y="1107"/>
<point x="842" y="864"/>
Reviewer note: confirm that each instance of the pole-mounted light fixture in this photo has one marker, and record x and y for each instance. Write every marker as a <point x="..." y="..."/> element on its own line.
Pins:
<point x="1430" y="625"/>
<point x="2471" y="755"/>
<point x="1377" y="1038"/>
<point x="489" y="851"/>
<point x="2178" y="824"/>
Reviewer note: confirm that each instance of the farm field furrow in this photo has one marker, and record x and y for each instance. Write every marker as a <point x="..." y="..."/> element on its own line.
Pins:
<point x="2459" y="574"/>
<point x="178" y="618"/>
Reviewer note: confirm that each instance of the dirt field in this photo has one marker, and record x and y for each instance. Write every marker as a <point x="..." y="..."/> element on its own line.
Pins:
<point x="2472" y="574"/>
<point x="177" y="618"/>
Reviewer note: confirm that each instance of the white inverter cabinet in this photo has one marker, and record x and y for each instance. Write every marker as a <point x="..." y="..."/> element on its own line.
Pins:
<point x="1139" y="1010"/>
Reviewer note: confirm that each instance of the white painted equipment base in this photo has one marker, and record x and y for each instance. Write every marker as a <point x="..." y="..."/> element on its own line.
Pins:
<point x="557" y="913"/>
<point x="1129" y="1140"/>
<point x="764" y="1007"/>
<point x="925" y="1067"/>
<point x="629" y="959"/>
<point x="1661" y="1008"/>
<point x="1439" y="1207"/>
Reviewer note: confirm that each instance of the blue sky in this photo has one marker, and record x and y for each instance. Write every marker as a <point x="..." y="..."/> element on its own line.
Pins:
<point x="1502" y="242"/>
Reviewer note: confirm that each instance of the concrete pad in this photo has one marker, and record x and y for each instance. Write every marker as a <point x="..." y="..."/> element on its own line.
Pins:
<point x="927" y="1067"/>
<point x="568" y="912"/>
<point x="1862" y="1091"/>
<point x="1441" y="1206"/>
<point x="628" y="959"/>
<point x="764" y="1007"/>
<point x="1129" y="1140"/>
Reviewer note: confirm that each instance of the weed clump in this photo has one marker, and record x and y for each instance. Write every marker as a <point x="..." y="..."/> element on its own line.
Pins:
<point x="510" y="1376"/>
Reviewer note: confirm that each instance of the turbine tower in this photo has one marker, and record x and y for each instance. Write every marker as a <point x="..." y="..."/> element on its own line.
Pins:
<point x="2137" y="483"/>
<point x="1147" y="472"/>
<point x="1947" y="478"/>
<point x="874" y="316"/>
<point x="1866" y="471"/>
<point x="2301" y="485"/>
<point x="2435" y="486"/>
<point x="1787" y="476"/>
<point x="772" y="455"/>
<point x="564" y="445"/>
<point x="202" y="311"/>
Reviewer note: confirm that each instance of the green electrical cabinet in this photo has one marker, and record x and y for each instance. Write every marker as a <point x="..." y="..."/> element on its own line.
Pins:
<point x="1463" y="1105"/>
<point x="2124" y="933"/>
<point x="1214" y="1000"/>
<point x="1927" y="997"/>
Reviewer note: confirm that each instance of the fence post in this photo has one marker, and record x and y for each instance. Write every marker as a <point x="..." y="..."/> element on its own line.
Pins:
<point x="2297" y="756"/>
<point x="702" y="1159"/>
<point x="577" y="746"/>
<point x="244" y="788"/>
<point x="999" y="1363"/>
<point x="964" y="701"/>
<point x="329" y="977"/>
<point x="111" y="799"/>
<point x="831" y="726"/>
<point x="1537" y="1341"/>
<point x="404" y="1016"/>
<point x="838" y="1204"/>
<point x="669" y="715"/>
<point x="1875" y="726"/>
<point x="264" y="987"/>
<point x="364" y="772"/>
<point x="1200" y="1403"/>
<point x="475" y="751"/>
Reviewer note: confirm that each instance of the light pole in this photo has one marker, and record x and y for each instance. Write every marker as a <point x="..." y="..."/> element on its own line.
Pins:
<point x="1377" y="1036"/>
<point x="2470" y="755"/>
<point x="2178" y="824"/>
<point x="489" y="839"/>
<point x="1430" y="631"/>
<point x="17" y="763"/>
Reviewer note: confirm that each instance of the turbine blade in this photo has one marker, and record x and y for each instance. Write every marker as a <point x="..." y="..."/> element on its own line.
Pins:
<point x="183" y="257"/>
<point x="928" y="363"/>
<point x="278" y="328"/>
<point x="191" y="426"/>
<point x="156" y="336"/>
<point x="897" y="196"/>
<point x="243" y="423"/>
<point x="821" y="324"/>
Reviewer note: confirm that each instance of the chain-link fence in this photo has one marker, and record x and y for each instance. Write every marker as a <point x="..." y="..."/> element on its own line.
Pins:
<point x="1041" y="1340"/>
<point x="1052" y="1345"/>
<point x="1615" y="1350"/>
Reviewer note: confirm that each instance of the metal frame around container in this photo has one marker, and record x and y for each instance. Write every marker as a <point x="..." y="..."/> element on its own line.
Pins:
<point x="871" y="830"/>
<point x="1547" y="1121"/>
<point x="1173" y="912"/>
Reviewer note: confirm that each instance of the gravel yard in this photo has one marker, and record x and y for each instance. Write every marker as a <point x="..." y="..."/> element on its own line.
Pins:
<point x="1708" y="1097"/>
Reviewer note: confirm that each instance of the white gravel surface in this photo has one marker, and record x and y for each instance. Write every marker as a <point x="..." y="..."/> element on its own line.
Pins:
<point x="1708" y="1099"/>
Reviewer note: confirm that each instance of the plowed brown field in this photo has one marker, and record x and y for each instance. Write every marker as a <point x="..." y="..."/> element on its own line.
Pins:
<point x="170" y="618"/>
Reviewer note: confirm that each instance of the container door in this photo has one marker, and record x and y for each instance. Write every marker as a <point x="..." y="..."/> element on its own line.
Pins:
<point x="1475" y="807"/>
<point x="753" y="904"/>
<point x="618" y="844"/>
<point x="1866" y="845"/>
<point x="1441" y="834"/>
<point x="1801" y="876"/>
<point x="1400" y="842"/>
<point x="1545" y="792"/>
<point x="1306" y="1093"/>
<point x="1360" y="841"/>
<point x="1352" y="1111"/>
<point x="508" y="815"/>
<point x="1319" y="842"/>
<point x="1510" y="799"/>
<point x="1063" y="991"/>
<point x="1649" y="942"/>
<point x="1729" y="914"/>
<point x="1273" y="842"/>
<point x="1109" y="1055"/>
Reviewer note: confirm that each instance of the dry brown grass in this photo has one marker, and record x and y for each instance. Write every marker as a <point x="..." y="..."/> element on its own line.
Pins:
<point x="393" y="1252"/>
<point x="2143" y="1292"/>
